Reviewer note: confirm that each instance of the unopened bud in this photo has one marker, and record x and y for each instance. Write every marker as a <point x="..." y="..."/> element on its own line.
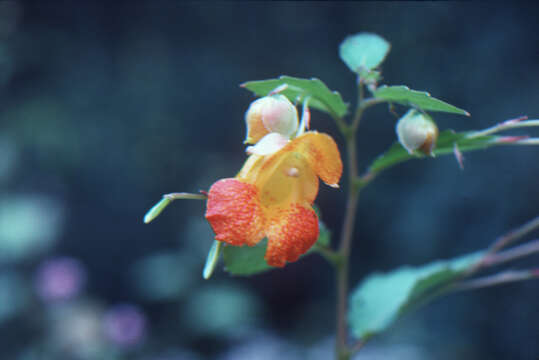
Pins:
<point x="417" y="131"/>
<point x="270" y="114"/>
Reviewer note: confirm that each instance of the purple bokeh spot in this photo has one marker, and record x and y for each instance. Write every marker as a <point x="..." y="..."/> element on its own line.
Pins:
<point x="125" y="325"/>
<point x="60" y="279"/>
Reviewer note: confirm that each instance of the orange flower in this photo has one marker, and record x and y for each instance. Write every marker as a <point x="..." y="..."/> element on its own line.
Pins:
<point x="272" y="197"/>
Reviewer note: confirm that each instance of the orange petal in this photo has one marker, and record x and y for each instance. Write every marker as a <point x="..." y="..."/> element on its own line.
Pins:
<point x="234" y="213"/>
<point x="291" y="234"/>
<point x="322" y="154"/>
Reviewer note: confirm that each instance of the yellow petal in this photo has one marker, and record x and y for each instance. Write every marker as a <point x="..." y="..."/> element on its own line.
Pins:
<point x="322" y="154"/>
<point x="286" y="177"/>
<point x="251" y="168"/>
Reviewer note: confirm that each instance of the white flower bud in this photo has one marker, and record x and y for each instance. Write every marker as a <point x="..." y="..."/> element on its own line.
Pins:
<point x="270" y="114"/>
<point x="417" y="131"/>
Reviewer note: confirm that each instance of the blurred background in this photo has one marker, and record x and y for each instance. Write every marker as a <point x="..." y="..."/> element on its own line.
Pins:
<point x="105" y="107"/>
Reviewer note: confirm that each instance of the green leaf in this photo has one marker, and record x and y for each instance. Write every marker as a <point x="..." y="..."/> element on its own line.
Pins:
<point x="445" y="145"/>
<point x="247" y="260"/>
<point x="363" y="51"/>
<point x="321" y="97"/>
<point x="382" y="298"/>
<point x="421" y="99"/>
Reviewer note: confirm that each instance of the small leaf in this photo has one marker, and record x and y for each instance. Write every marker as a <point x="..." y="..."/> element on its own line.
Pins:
<point x="156" y="210"/>
<point x="245" y="260"/>
<point x="212" y="259"/>
<point x="421" y="99"/>
<point x="324" y="238"/>
<point x="382" y="298"/>
<point x="166" y="200"/>
<point x="445" y="145"/>
<point x="321" y="97"/>
<point x="363" y="51"/>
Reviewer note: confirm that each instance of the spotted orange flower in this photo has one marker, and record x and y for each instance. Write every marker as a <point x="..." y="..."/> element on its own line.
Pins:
<point x="272" y="196"/>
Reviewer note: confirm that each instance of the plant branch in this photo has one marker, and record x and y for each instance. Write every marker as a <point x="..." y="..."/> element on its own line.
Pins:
<point x="505" y="241"/>
<point x="515" y="235"/>
<point x="514" y="253"/>
<point x="344" y="250"/>
<point x="342" y="268"/>
<point x="357" y="346"/>
<point x="497" y="279"/>
<point x="187" y="196"/>
<point x="506" y="125"/>
<point x="330" y="255"/>
<point x="363" y="105"/>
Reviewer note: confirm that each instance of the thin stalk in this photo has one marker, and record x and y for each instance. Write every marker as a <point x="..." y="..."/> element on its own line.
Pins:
<point x="343" y="351"/>
<point x="506" y="125"/>
<point x="330" y="255"/>
<point x="497" y="279"/>
<point x="514" y="253"/>
<point x="185" y="196"/>
<point x="505" y="241"/>
<point x="359" y="112"/>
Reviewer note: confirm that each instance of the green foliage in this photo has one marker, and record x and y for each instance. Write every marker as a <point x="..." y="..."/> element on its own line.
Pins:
<point x="321" y="97"/>
<point x="363" y="51"/>
<point x="445" y="145"/>
<point x="245" y="260"/>
<point x="405" y="96"/>
<point x="384" y="297"/>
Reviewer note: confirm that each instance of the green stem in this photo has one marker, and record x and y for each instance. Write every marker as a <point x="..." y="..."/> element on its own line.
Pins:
<point x="331" y="256"/>
<point x="343" y="351"/>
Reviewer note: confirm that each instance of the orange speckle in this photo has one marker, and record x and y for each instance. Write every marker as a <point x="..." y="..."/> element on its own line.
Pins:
<point x="234" y="213"/>
<point x="291" y="234"/>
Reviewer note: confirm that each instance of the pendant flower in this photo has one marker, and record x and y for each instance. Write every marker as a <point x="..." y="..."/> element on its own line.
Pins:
<point x="273" y="193"/>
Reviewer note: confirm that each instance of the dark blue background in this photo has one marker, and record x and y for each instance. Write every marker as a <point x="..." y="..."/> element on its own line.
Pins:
<point x="106" y="106"/>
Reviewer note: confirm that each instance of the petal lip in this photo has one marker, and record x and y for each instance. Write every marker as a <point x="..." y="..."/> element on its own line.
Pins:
<point x="234" y="212"/>
<point x="291" y="234"/>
